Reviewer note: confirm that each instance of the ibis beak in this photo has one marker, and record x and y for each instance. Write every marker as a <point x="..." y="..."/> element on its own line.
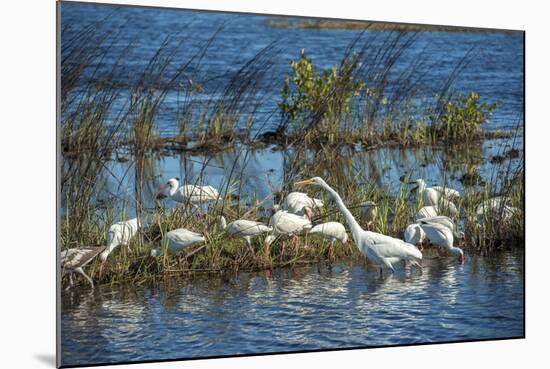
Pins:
<point x="304" y="182"/>
<point x="163" y="187"/>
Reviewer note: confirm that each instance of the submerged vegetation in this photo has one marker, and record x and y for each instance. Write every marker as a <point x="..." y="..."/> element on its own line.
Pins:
<point x="367" y="100"/>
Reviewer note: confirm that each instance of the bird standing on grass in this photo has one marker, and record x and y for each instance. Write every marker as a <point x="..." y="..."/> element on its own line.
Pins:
<point x="245" y="229"/>
<point x="73" y="260"/>
<point x="332" y="231"/>
<point x="286" y="225"/>
<point x="385" y="251"/>
<point x="192" y="194"/>
<point x="118" y="234"/>
<point x="300" y="203"/>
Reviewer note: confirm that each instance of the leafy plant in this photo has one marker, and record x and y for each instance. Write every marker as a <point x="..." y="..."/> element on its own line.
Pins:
<point x="462" y="119"/>
<point x="318" y="100"/>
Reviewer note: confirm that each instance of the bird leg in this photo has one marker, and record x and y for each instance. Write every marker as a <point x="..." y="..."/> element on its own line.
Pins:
<point x="81" y="272"/>
<point x="250" y="248"/>
<point x="295" y="238"/>
<point x="70" y="281"/>
<point x="406" y="263"/>
<point x="331" y="252"/>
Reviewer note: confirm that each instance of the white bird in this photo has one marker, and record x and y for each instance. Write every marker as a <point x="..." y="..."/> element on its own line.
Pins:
<point x="181" y="238"/>
<point x="73" y="260"/>
<point x="426" y="212"/>
<point x="442" y="236"/>
<point x="414" y="234"/>
<point x="441" y="219"/>
<point x="433" y="195"/>
<point x="497" y="208"/>
<point x="286" y="225"/>
<point x="192" y="194"/>
<point x="434" y="210"/>
<point x="332" y="231"/>
<point x="118" y="234"/>
<point x="299" y="202"/>
<point x="383" y="250"/>
<point x="245" y="229"/>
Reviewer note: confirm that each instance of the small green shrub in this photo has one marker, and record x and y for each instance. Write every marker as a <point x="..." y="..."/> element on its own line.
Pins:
<point x="319" y="100"/>
<point x="462" y="119"/>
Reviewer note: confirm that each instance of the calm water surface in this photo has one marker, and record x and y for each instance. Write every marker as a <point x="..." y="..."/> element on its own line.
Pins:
<point x="301" y="309"/>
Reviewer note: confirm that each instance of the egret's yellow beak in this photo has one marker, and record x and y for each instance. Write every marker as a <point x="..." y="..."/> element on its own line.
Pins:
<point x="304" y="182"/>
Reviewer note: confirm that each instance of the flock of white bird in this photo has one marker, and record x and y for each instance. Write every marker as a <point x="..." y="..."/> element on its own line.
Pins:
<point x="294" y="219"/>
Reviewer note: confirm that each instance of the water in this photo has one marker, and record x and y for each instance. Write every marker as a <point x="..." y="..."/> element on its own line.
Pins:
<point x="295" y="310"/>
<point x="495" y="69"/>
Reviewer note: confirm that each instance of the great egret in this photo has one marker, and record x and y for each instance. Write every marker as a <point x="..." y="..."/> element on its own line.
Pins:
<point x="118" y="234"/>
<point x="431" y="195"/>
<point x="195" y="195"/>
<point x="440" y="235"/>
<point x="368" y="211"/>
<point x="298" y="203"/>
<point x="245" y="229"/>
<point x="380" y="249"/>
<point x="73" y="260"/>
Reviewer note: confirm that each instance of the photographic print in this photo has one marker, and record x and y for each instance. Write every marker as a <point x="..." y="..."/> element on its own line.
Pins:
<point x="241" y="184"/>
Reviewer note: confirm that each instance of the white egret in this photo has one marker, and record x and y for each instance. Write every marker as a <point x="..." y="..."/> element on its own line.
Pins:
<point x="381" y="249"/>
<point x="368" y="211"/>
<point x="299" y="202"/>
<point x="245" y="229"/>
<point x="118" y="234"/>
<point x="192" y="194"/>
<point x="440" y="235"/>
<point x="73" y="260"/>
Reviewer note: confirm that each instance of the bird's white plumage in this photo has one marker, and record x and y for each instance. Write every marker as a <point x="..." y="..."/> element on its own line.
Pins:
<point x="296" y="202"/>
<point x="119" y="234"/>
<point x="245" y="229"/>
<point x="288" y="224"/>
<point x="331" y="230"/>
<point x="426" y="212"/>
<point x="193" y="194"/>
<point x="383" y="250"/>
<point x="434" y="195"/>
<point x="498" y="208"/>
<point x="181" y="238"/>
<point x="414" y="234"/>
<point x="441" y="219"/>
<point x="441" y="236"/>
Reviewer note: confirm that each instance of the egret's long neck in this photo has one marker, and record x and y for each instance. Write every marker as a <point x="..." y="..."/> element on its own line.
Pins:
<point x="355" y="228"/>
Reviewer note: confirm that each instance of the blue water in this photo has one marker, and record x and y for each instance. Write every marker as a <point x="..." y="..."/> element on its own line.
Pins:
<point x="294" y="310"/>
<point x="301" y="309"/>
<point x="495" y="69"/>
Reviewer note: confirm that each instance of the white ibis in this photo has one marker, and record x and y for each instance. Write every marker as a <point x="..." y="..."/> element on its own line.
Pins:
<point x="382" y="250"/>
<point x="435" y="210"/>
<point x="118" y="234"/>
<point x="298" y="203"/>
<point x="432" y="195"/>
<point x="286" y="225"/>
<point x="181" y="238"/>
<point x="73" y="260"/>
<point x="498" y="208"/>
<point x="192" y="194"/>
<point x="442" y="236"/>
<point x="414" y="234"/>
<point x="368" y="211"/>
<point x="332" y="231"/>
<point x="245" y="229"/>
